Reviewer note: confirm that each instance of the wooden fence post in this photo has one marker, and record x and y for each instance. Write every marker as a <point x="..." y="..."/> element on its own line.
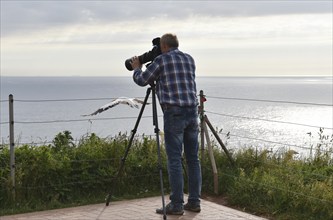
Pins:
<point x="12" y="144"/>
<point x="203" y="133"/>
<point x="212" y="161"/>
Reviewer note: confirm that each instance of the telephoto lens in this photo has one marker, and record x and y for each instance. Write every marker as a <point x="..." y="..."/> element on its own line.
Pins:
<point x="148" y="56"/>
<point x="128" y="64"/>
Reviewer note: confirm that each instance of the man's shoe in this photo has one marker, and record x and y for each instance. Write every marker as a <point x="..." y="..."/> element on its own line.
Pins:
<point x="171" y="210"/>
<point x="192" y="207"/>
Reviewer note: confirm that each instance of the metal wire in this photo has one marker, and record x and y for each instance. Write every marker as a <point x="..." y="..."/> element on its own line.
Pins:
<point x="273" y="101"/>
<point x="268" y="120"/>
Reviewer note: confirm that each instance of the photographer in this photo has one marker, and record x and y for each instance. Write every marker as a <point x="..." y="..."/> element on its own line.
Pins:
<point x="174" y="74"/>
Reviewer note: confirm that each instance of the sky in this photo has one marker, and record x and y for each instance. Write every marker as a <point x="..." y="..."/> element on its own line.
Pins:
<point x="226" y="38"/>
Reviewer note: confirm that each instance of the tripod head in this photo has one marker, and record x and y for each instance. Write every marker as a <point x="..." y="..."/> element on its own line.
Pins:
<point x="152" y="84"/>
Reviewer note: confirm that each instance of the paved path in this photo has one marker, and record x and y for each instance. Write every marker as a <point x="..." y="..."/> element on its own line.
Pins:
<point x="133" y="209"/>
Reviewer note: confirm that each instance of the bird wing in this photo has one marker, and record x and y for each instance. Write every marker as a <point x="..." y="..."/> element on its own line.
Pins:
<point x="127" y="101"/>
<point x="105" y="107"/>
<point x="121" y="100"/>
<point x="140" y="101"/>
<point x="110" y="105"/>
<point x="131" y="103"/>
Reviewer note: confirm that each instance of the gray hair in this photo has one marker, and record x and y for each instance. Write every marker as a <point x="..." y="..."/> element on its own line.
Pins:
<point x="170" y="40"/>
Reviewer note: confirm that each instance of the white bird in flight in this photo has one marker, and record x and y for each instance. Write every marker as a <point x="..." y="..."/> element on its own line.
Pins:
<point x="132" y="102"/>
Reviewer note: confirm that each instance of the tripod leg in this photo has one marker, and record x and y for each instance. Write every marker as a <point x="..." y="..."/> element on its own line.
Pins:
<point x="123" y="159"/>
<point x="155" y="122"/>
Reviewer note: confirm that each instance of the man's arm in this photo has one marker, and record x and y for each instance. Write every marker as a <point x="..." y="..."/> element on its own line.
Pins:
<point x="143" y="78"/>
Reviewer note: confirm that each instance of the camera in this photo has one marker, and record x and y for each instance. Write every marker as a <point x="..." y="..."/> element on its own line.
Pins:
<point x="148" y="56"/>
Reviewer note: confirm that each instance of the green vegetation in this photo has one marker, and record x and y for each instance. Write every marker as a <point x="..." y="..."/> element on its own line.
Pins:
<point x="67" y="173"/>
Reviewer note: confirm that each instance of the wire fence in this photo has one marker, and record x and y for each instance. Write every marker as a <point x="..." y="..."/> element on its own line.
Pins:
<point x="268" y="120"/>
<point x="145" y="117"/>
<point x="146" y="175"/>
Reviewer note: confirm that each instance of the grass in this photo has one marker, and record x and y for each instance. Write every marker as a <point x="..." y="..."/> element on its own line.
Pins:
<point x="64" y="174"/>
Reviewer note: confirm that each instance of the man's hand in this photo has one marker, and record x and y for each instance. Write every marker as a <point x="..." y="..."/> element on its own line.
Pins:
<point x="135" y="63"/>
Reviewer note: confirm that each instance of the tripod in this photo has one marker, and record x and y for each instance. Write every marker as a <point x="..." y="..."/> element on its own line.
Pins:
<point x="133" y="132"/>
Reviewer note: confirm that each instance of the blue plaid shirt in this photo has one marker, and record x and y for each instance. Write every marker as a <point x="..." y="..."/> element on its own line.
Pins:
<point x="174" y="73"/>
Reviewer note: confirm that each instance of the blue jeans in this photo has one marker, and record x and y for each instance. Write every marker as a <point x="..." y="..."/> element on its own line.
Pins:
<point x="181" y="129"/>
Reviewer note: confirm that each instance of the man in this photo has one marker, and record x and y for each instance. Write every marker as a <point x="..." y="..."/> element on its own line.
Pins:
<point x="174" y="74"/>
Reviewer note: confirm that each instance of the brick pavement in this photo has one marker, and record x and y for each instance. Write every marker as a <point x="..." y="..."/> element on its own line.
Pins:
<point x="133" y="209"/>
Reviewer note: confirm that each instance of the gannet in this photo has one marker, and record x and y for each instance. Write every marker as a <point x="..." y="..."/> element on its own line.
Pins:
<point x="132" y="102"/>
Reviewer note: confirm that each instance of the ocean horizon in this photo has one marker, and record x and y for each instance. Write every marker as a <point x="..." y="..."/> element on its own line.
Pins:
<point x="266" y="112"/>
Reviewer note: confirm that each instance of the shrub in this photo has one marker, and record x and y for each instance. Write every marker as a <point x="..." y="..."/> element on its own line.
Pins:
<point x="65" y="173"/>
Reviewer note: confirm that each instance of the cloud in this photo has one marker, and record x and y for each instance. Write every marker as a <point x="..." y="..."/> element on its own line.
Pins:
<point x="245" y="37"/>
<point x="27" y="16"/>
<point x="201" y="32"/>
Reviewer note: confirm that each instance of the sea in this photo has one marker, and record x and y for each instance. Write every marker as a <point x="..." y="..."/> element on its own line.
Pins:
<point x="273" y="113"/>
